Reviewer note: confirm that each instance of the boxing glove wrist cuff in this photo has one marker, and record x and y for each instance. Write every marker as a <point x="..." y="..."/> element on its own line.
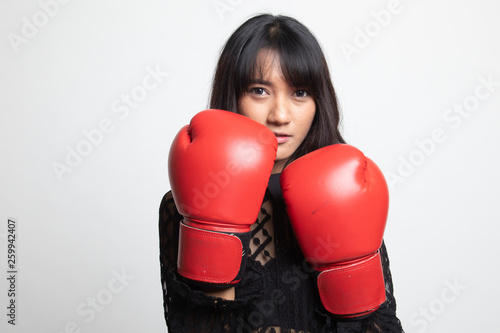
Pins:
<point x="211" y="257"/>
<point x="353" y="290"/>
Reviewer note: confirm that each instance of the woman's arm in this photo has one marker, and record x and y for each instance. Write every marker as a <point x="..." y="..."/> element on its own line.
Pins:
<point x="186" y="308"/>
<point x="227" y="294"/>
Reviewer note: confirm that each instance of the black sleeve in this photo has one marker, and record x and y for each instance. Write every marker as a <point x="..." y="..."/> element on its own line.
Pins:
<point x="187" y="309"/>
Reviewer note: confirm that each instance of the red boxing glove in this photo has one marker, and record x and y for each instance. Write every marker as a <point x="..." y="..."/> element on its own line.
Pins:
<point x="219" y="167"/>
<point x="337" y="200"/>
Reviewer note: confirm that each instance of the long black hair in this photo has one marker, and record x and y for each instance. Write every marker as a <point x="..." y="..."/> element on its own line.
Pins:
<point x="303" y="65"/>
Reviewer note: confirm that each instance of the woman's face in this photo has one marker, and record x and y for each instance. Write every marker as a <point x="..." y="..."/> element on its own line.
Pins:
<point x="287" y="111"/>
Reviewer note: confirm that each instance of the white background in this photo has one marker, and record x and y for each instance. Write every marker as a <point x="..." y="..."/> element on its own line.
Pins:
<point x="77" y="230"/>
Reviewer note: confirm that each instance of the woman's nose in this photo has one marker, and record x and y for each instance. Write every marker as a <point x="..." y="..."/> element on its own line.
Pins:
<point x="279" y="112"/>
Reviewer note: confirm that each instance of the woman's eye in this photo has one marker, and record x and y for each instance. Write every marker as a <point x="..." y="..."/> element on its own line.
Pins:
<point x="257" y="91"/>
<point x="301" y="93"/>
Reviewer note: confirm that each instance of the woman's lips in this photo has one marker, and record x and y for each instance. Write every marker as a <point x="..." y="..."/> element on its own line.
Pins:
<point x="282" y="137"/>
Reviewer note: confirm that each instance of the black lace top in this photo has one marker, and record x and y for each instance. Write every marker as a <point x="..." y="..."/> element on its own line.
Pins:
<point x="278" y="292"/>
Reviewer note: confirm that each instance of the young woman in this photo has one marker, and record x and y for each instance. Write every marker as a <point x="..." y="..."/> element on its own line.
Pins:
<point x="232" y="272"/>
